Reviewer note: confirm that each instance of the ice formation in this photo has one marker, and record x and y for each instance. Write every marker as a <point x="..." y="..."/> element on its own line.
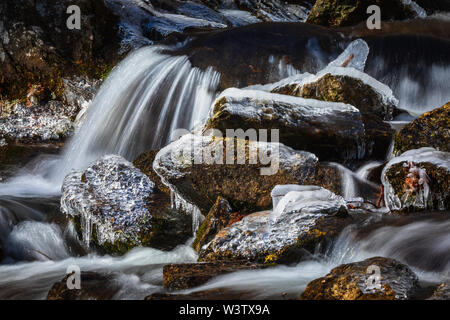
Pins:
<point x="38" y="123"/>
<point x="267" y="232"/>
<point x="354" y="56"/>
<point x="111" y="193"/>
<point x="417" y="183"/>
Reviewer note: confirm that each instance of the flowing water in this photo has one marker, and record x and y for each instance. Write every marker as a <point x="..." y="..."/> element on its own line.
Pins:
<point x="39" y="247"/>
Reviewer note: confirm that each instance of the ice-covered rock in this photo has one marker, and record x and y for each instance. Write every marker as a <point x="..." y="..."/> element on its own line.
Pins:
<point x="372" y="279"/>
<point x="329" y="130"/>
<point x="432" y="129"/>
<point x="301" y="220"/>
<point x="417" y="180"/>
<point x="113" y="206"/>
<point x="199" y="169"/>
<point x="37" y="123"/>
<point x="348" y="85"/>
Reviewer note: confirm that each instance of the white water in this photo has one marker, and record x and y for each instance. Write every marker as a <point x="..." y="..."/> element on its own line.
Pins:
<point x="424" y="246"/>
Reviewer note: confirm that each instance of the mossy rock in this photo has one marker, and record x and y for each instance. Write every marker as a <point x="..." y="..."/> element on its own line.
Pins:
<point x="341" y="13"/>
<point x="431" y="129"/>
<point x="351" y="282"/>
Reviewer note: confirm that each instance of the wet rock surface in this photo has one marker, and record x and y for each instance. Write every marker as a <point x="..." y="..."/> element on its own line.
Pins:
<point x="328" y="130"/>
<point x="441" y="293"/>
<point x="417" y="180"/>
<point x="352" y="282"/>
<point x="94" y="286"/>
<point x="335" y="13"/>
<point x="114" y="206"/>
<point x="302" y="219"/>
<point x="190" y="275"/>
<point x="432" y="129"/>
<point x="220" y="216"/>
<point x="246" y="186"/>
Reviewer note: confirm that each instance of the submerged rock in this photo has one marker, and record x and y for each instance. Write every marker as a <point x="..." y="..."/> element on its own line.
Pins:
<point x="329" y="130"/>
<point x="304" y="216"/>
<point x="339" y="13"/>
<point x="196" y="168"/>
<point x="114" y="206"/>
<point x="432" y="129"/>
<point x="358" y="281"/>
<point x="94" y="286"/>
<point x="190" y="275"/>
<point x="417" y="180"/>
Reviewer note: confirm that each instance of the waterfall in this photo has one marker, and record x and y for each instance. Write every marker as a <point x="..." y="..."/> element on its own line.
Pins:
<point x="145" y="98"/>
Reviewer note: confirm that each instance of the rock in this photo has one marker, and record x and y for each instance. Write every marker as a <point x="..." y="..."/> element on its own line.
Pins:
<point x="220" y="216"/>
<point x="38" y="48"/>
<point x="417" y="180"/>
<point x="340" y="13"/>
<point x="145" y="163"/>
<point x="329" y="130"/>
<point x="353" y="281"/>
<point x="37" y="123"/>
<point x="303" y="218"/>
<point x="441" y="293"/>
<point x="190" y="275"/>
<point x="114" y="206"/>
<point x="432" y="129"/>
<point x="246" y="186"/>
<point x="94" y="286"/>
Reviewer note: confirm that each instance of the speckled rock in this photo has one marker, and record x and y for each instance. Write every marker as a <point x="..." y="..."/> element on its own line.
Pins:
<point x="245" y="186"/>
<point x="190" y="275"/>
<point x="352" y="282"/>
<point x="303" y="218"/>
<point x="432" y="129"/>
<point x="36" y="123"/>
<point x="441" y="293"/>
<point x="114" y="206"/>
<point x="335" y="13"/>
<point x="94" y="286"/>
<point x="417" y="180"/>
<point x="329" y="130"/>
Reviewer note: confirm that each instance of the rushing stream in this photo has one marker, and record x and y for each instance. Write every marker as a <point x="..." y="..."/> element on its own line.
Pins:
<point x="38" y="248"/>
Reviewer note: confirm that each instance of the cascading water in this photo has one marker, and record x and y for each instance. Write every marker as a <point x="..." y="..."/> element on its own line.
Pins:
<point x="145" y="99"/>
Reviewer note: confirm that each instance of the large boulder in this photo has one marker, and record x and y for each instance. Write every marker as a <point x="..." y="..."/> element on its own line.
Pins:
<point x="359" y="281"/>
<point x="340" y="13"/>
<point x="196" y="169"/>
<point x="329" y="130"/>
<point x="417" y="180"/>
<point x="114" y="207"/>
<point x="303" y="217"/>
<point x="432" y="129"/>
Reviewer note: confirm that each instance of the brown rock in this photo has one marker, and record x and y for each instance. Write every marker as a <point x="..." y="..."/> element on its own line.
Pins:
<point x="352" y="282"/>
